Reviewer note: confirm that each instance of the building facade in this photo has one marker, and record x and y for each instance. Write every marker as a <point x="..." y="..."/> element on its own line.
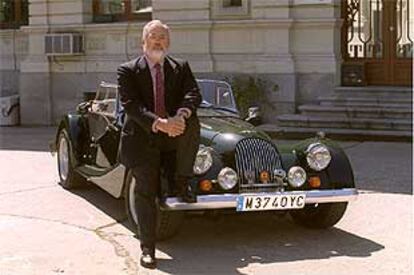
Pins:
<point x="298" y="47"/>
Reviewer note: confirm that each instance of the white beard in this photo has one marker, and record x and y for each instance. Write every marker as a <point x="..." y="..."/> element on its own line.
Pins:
<point x="156" y="56"/>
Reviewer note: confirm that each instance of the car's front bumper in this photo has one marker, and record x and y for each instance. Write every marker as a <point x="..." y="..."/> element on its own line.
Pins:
<point x="222" y="201"/>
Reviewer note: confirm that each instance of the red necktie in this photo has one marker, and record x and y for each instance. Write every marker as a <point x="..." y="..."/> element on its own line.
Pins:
<point x="159" y="107"/>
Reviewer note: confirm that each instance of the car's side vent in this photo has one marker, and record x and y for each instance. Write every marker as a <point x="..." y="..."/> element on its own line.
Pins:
<point x="63" y="44"/>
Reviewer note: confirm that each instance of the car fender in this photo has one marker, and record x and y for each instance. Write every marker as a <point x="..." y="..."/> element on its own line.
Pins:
<point x="73" y="123"/>
<point x="339" y="171"/>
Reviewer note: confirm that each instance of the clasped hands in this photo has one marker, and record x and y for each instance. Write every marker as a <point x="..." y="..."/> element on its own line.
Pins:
<point x="173" y="126"/>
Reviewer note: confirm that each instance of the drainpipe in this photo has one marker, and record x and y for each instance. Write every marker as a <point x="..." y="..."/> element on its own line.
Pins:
<point x="50" y="76"/>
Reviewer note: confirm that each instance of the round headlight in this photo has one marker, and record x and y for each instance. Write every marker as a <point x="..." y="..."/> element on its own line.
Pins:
<point x="296" y="176"/>
<point x="318" y="156"/>
<point x="227" y="178"/>
<point x="203" y="160"/>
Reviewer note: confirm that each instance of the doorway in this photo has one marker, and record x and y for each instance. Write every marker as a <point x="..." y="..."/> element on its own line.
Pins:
<point x="377" y="39"/>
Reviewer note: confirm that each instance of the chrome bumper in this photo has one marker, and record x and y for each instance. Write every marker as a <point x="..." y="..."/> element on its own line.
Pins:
<point x="205" y="202"/>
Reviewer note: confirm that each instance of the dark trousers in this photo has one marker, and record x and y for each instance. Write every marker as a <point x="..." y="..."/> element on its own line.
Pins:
<point x="147" y="176"/>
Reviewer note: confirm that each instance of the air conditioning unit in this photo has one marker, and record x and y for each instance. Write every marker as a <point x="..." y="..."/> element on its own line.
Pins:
<point x="63" y="44"/>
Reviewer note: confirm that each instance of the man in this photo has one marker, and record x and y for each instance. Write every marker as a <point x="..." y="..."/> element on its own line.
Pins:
<point x="160" y="97"/>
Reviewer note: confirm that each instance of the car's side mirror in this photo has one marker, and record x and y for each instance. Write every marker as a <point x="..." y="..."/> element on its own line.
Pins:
<point x="254" y="116"/>
<point x="112" y="126"/>
<point x="83" y="107"/>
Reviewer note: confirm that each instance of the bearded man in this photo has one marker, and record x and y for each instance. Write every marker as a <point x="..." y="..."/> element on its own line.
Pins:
<point x="160" y="96"/>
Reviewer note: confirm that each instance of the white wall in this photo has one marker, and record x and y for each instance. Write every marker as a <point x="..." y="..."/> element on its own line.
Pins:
<point x="263" y="37"/>
<point x="283" y="40"/>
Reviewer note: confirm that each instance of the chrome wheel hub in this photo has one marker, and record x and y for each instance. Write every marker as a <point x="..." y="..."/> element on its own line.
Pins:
<point x="63" y="158"/>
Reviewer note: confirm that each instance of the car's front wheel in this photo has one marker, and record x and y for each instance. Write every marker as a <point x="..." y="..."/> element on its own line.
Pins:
<point x="318" y="216"/>
<point x="167" y="222"/>
<point x="69" y="179"/>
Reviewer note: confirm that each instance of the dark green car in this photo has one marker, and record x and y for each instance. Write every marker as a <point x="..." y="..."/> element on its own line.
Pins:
<point x="237" y="167"/>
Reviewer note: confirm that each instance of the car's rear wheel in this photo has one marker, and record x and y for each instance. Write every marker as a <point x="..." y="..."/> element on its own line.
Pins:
<point x="167" y="222"/>
<point x="69" y="179"/>
<point x="318" y="216"/>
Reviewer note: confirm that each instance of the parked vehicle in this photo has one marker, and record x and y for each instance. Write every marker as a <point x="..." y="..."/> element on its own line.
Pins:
<point x="237" y="167"/>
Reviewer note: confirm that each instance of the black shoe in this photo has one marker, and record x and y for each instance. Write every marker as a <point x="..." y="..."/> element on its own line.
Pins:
<point x="148" y="260"/>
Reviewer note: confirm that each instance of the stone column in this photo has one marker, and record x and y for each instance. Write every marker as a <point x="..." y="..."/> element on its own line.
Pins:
<point x="316" y="47"/>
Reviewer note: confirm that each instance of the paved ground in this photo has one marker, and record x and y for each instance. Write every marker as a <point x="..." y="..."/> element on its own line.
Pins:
<point x="47" y="230"/>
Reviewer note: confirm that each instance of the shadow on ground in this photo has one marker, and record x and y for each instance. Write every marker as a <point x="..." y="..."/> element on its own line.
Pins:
<point x="26" y="138"/>
<point x="230" y="242"/>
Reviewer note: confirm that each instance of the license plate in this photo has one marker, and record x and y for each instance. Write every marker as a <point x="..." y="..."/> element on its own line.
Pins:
<point x="270" y="202"/>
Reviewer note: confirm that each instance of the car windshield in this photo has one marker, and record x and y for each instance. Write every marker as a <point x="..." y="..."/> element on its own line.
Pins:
<point x="217" y="95"/>
<point x="105" y="101"/>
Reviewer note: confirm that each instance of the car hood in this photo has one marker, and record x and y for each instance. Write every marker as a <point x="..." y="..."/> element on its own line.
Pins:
<point x="224" y="132"/>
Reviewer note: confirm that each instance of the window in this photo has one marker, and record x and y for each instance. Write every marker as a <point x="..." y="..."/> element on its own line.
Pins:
<point x="232" y="3"/>
<point x="13" y="13"/>
<point x="230" y="9"/>
<point x="121" y="10"/>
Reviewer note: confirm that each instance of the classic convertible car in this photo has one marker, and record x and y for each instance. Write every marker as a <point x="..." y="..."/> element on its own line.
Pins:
<point x="237" y="167"/>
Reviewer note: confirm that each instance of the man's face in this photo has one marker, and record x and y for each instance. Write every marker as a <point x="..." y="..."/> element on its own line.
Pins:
<point x="156" y="43"/>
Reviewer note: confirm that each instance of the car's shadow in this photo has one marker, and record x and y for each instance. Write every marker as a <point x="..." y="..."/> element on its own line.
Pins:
<point x="26" y="138"/>
<point x="232" y="242"/>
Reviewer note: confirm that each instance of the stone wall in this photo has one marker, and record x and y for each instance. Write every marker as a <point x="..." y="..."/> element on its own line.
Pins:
<point x="14" y="49"/>
<point x="292" y="44"/>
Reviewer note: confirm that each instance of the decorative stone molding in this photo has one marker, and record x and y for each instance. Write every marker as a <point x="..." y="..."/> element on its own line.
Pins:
<point x="253" y="24"/>
<point x="313" y="2"/>
<point x="181" y="10"/>
<point x="95" y="43"/>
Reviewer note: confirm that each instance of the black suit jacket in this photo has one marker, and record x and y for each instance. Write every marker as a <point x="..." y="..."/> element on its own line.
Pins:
<point x="137" y="99"/>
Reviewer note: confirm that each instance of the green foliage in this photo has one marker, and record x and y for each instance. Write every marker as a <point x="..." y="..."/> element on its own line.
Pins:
<point x="8" y="13"/>
<point x="248" y="91"/>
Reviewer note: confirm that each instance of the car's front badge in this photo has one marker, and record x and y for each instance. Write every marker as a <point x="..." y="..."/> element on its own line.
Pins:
<point x="249" y="175"/>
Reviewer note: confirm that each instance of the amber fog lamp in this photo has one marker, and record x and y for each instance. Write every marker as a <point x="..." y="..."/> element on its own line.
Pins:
<point x="264" y="177"/>
<point x="206" y="185"/>
<point x="315" y="182"/>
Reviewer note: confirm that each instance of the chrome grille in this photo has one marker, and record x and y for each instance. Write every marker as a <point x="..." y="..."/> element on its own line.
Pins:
<point x="254" y="155"/>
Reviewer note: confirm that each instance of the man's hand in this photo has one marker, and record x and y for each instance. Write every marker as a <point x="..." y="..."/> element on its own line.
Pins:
<point x="173" y="126"/>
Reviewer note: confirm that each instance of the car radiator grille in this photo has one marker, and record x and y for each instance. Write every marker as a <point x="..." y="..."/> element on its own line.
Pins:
<point x="253" y="156"/>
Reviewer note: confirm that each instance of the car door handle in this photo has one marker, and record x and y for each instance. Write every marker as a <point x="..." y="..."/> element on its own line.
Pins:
<point x="112" y="127"/>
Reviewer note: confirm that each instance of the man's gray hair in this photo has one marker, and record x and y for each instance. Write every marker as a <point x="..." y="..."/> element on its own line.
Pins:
<point x="151" y="24"/>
